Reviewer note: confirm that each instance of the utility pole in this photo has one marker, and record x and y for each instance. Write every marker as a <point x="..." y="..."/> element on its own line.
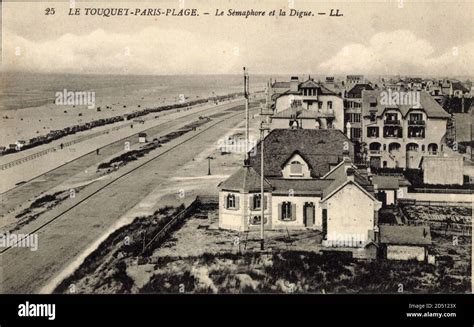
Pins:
<point x="470" y="125"/>
<point x="209" y="158"/>
<point x="263" y="128"/>
<point x="246" y="95"/>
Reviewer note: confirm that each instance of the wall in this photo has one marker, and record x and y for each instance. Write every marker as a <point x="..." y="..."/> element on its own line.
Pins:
<point x="229" y="218"/>
<point x="284" y="102"/>
<point x="435" y="129"/>
<point x="239" y="219"/>
<point x="350" y="214"/>
<point x="299" y="222"/>
<point x="405" y="252"/>
<point x="438" y="197"/>
<point x="443" y="170"/>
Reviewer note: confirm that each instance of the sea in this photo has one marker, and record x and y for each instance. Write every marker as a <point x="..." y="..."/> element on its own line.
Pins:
<point x="20" y="90"/>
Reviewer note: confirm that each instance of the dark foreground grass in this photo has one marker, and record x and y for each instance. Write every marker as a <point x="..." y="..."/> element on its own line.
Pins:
<point x="299" y="272"/>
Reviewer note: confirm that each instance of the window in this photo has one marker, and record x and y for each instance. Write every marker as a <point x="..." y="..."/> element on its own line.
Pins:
<point x="416" y="117"/>
<point x="416" y="131"/>
<point x="433" y="148"/>
<point x="287" y="211"/>
<point x="232" y="202"/>
<point x="372" y="131"/>
<point x="257" y="220"/>
<point x="373" y="117"/>
<point x="296" y="168"/>
<point x="412" y="147"/>
<point x="257" y="200"/>
<point x="353" y="118"/>
<point x="329" y="104"/>
<point x="320" y="105"/>
<point x="392" y="131"/>
<point x="356" y="133"/>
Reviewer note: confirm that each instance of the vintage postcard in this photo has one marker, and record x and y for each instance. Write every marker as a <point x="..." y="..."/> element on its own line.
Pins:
<point x="236" y="147"/>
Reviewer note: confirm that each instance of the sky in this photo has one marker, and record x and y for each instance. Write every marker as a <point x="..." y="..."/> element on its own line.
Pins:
<point x="425" y="37"/>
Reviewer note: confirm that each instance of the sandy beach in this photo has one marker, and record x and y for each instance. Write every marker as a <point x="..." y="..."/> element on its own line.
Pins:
<point x="28" y="109"/>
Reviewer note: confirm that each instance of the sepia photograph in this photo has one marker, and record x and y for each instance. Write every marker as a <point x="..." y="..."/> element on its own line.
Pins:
<point x="186" y="148"/>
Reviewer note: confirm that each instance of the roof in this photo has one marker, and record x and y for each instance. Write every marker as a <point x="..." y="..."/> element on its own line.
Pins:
<point x="322" y="148"/>
<point x="301" y="113"/>
<point x="299" y="186"/>
<point x="281" y="85"/>
<point x="405" y="235"/>
<point x="246" y="179"/>
<point x="385" y="182"/>
<point x="309" y="83"/>
<point x="458" y="86"/>
<point x="328" y="193"/>
<point x="356" y="91"/>
<point x="291" y="112"/>
<point x="427" y="103"/>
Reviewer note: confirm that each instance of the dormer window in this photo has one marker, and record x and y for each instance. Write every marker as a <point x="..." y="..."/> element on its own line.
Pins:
<point x="296" y="168"/>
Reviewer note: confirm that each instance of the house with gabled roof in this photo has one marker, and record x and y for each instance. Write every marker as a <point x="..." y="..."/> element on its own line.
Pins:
<point x="308" y="104"/>
<point x="400" y="134"/>
<point x="310" y="182"/>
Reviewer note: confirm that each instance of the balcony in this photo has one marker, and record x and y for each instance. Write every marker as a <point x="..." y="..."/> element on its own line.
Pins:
<point x="326" y="113"/>
<point x="391" y="122"/>
<point x="392" y="131"/>
<point x="416" y="132"/>
<point x="416" y="122"/>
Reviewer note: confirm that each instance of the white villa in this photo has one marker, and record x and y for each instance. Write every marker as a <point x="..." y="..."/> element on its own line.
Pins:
<point x="310" y="182"/>
<point x="307" y="104"/>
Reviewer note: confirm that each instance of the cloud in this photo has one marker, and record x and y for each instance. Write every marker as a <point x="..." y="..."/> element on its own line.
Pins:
<point x="400" y="52"/>
<point x="149" y="51"/>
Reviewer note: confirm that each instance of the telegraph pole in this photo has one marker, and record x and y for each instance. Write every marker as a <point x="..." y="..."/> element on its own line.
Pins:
<point x="246" y="95"/>
<point x="263" y="128"/>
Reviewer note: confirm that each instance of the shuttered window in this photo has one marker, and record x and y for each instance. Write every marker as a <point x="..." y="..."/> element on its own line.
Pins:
<point x="287" y="211"/>
<point x="232" y="202"/>
<point x="256" y="202"/>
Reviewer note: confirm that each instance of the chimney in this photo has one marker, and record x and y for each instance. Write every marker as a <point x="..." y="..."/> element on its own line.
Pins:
<point x="346" y="156"/>
<point x="294" y="84"/>
<point x="348" y="130"/>
<point x="350" y="174"/>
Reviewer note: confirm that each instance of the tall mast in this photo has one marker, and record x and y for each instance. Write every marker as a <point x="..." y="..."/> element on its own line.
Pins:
<point x="246" y="95"/>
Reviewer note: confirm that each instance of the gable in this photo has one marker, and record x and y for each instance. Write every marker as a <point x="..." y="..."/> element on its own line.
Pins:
<point x="321" y="149"/>
<point x="296" y="167"/>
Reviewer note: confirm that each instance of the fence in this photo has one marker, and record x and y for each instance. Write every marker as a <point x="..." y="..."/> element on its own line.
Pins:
<point x="178" y="218"/>
<point x="411" y="201"/>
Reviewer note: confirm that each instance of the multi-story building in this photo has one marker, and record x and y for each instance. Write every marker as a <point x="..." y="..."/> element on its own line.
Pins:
<point x="352" y="80"/>
<point x="353" y="111"/>
<point x="308" y="104"/>
<point x="400" y="135"/>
